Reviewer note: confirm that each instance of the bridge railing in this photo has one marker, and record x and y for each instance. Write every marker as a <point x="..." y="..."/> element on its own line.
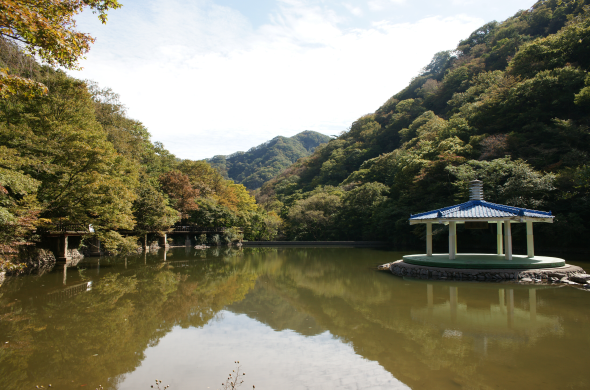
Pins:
<point x="198" y="229"/>
<point x="82" y="228"/>
<point x="69" y="291"/>
<point x="67" y="227"/>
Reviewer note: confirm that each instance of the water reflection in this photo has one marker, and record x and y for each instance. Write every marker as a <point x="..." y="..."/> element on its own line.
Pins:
<point x="500" y="321"/>
<point x="90" y="336"/>
<point x="100" y="321"/>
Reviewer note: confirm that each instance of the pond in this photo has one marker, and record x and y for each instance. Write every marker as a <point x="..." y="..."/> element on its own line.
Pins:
<point x="294" y="318"/>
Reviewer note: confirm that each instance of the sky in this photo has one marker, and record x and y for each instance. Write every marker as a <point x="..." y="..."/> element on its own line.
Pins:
<point x="272" y="359"/>
<point x="211" y="77"/>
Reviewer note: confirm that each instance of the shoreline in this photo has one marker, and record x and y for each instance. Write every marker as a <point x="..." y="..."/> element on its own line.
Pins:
<point x="354" y="244"/>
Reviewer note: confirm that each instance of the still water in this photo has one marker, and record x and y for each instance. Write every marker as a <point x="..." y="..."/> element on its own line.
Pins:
<point x="295" y="318"/>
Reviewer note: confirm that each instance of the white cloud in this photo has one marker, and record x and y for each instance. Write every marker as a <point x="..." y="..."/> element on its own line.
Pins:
<point x="356" y="11"/>
<point x="378" y="5"/>
<point x="502" y="4"/>
<point x="206" y="82"/>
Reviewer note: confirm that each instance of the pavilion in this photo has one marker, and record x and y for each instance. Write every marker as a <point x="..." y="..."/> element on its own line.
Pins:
<point x="477" y="214"/>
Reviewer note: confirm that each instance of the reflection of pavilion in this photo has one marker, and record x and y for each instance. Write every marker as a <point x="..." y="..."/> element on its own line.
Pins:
<point x="501" y="321"/>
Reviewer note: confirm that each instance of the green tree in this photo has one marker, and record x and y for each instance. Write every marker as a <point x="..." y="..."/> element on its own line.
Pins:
<point x="211" y="214"/>
<point x="232" y="234"/>
<point x="358" y="218"/>
<point x="313" y="218"/>
<point x="263" y="226"/>
<point x="505" y="181"/>
<point x="82" y="178"/>
<point x="18" y="205"/>
<point x="116" y="244"/>
<point x="151" y="211"/>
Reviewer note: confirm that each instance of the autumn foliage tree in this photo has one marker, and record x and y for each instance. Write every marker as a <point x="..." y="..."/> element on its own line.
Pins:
<point x="182" y="194"/>
<point x="46" y="29"/>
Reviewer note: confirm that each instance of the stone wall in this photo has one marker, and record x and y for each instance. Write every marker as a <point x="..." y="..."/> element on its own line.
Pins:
<point x="400" y="268"/>
<point x="33" y="255"/>
<point x="75" y="254"/>
<point x="35" y="259"/>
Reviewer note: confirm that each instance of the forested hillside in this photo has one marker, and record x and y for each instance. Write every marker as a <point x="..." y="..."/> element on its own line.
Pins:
<point x="72" y="155"/>
<point x="509" y="106"/>
<point x="265" y="161"/>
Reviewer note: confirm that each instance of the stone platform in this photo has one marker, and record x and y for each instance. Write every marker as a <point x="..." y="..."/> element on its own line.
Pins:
<point x="404" y="269"/>
<point x="484" y="261"/>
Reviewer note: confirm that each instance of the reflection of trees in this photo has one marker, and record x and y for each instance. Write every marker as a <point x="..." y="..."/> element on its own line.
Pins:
<point x="386" y="319"/>
<point x="440" y="339"/>
<point x="103" y="333"/>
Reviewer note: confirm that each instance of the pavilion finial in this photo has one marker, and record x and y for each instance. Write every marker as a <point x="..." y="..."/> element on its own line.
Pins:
<point x="476" y="190"/>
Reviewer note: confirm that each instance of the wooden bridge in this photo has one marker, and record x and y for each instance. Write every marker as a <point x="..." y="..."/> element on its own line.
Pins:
<point x="63" y="238"/>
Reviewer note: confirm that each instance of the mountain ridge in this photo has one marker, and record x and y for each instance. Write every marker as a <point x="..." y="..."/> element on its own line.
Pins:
<point x="263" y="162"/>
<point x="508" y="106"/>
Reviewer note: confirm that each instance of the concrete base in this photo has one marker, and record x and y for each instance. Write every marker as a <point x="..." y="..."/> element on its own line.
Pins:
<point x="401" y="268"/>
<point x="484" y="261"/>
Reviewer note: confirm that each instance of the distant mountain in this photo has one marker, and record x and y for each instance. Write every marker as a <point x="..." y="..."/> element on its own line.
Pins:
<point x="265" y="161"/>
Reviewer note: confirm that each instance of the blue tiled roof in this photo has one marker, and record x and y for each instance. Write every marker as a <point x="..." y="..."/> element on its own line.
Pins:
<point x="480" y="209"/>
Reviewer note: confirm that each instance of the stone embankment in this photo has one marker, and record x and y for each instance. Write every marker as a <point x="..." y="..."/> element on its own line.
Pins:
<point x="569" y="274"/>
<point x="37" y="259"/>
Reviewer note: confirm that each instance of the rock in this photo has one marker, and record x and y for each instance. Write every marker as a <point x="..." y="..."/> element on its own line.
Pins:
<point x="526" y="280"/>
<point x="564" y="280"/>
<point x="582" y="279"/>
<point x="557" y="275"/>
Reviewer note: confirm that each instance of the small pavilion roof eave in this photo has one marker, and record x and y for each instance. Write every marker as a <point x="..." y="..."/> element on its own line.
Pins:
<point x="498" y="219"/>
<point x="480" y="210"/>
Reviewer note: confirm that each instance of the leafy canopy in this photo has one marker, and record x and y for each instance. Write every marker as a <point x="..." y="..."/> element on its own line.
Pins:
<point x="46" y="29"/>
